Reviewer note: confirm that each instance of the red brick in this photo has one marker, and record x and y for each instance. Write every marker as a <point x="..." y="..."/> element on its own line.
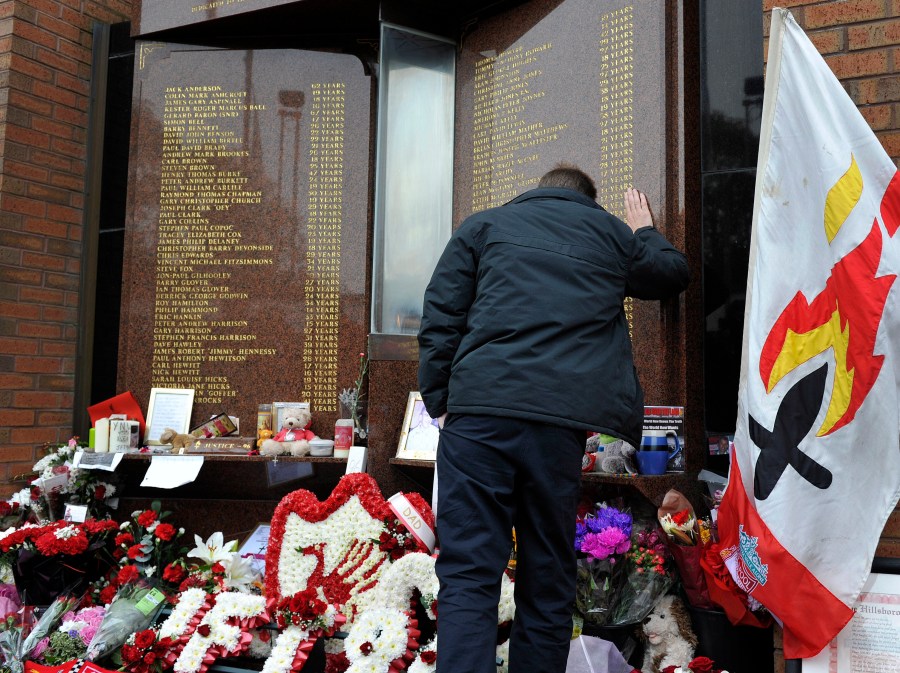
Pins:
<point x="80" y="86"/>
<point x="63" y="214"/>
<point x="9" y="454"/>
<point x="17" y="204"/>
<point x="61" y="281"/>
<point x="884" y="34"/>
<point x="13" y="346"/>
<point x="828" y="41"/>
<point x="60" y="28"/>
<point x="76" y="51"/>
<point x="859" y="64"/>
<point x="34" y="34"/>
<point x="19" y="310"/>
<point x="42" y="295"/>
<point x="26" y="171"/>
<point x="21" y="276"/>
<point x="10" y="381"/>
<point x="73" y="266"/>
<point x="57" y="61"/>
<point x="70" y="116"/>
<point x="46" y="6"/>
<point x="55" y="94"/>
<point x="72" y="149"/>
<point x="52" y="127"/>
<point x="27" y="136"/>
<point x="842" y="12"/>
<point x="63" y="383"/>
<point x="31" y="68"/>
<point x="877" y="116"/>
<point x="50" y="194"/>
<point x="37" y="365"/>
<point x="891" y="142"/>
<point x="57" y="246"/>
<point x="61" y="349"/>
<point x="66" y="181"/>
<point x="52" y="161"/>
<point x="16" y="417"/>
<point x="34" y="435"/>
<point x="39" y="330"/>
<point x="35" y="399"/>
<point x="14" y="239"/>
<point x="46" y="227"/>
<point x="60" y="314"/>
<point x="47" y="262"/>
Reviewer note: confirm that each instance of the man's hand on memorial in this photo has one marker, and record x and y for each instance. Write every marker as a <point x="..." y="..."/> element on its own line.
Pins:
<point x="637" y="210"/>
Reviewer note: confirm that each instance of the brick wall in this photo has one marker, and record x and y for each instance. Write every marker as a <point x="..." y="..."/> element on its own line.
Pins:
<point x="860" y="40"/>
<point x="45" y="71"/>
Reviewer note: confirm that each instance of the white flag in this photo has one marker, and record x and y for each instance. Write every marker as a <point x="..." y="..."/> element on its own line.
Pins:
<point x="816" y="465"/>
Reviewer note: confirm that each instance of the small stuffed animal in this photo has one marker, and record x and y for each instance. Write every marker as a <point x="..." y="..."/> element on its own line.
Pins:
<point x="293" y="438"/>
<point x="670" y="638"/>
<point x="617" y="458"/>
<point x="263" y="435"/>
<point x="178" y="440"/>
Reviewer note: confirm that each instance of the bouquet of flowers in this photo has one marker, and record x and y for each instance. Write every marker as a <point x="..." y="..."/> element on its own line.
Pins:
<point x="648" y="578"/>
<point x="601" y="538"/>
<point x="308" y="611"/>
<point x="134" y="608"/>
<point x="71" y="638"/>
<point x="22" y="640"/>
<point x="677" y="518"/>
<point x="46" y="559"/>
<point x="218" y="568"/>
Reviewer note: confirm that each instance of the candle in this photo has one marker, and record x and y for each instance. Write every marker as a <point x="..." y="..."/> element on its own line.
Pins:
<point x="91" y="434"/>
<point x="101" y="435"/>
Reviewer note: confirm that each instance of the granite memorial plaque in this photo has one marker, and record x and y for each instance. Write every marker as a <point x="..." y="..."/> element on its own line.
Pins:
<point x="246" y="237"/>
<point x="576" y="81"/>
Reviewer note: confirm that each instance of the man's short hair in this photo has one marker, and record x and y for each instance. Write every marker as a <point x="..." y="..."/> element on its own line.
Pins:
<point x="567" y="176"/>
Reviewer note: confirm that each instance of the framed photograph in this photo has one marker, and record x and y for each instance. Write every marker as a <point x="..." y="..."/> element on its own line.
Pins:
<point x="168" y="408"/>
<point x="254" y="547"/>
<point x="420" y="432"/>
<point x="278" y="412"/>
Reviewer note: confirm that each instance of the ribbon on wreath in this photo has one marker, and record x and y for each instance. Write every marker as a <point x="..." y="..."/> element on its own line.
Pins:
<point x="412" y="519"/>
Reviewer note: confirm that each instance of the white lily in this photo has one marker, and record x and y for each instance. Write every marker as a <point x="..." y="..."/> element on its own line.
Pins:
<point x="213" y="550"/>
<point x="239" y="573"/>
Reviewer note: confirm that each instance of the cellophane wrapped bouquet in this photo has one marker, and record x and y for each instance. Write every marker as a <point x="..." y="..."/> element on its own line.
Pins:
<point x="602" y="538"/>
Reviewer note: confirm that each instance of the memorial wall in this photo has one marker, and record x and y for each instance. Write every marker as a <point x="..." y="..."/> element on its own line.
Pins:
<point x="582" y="82"/>
<point x="246" y="240"/>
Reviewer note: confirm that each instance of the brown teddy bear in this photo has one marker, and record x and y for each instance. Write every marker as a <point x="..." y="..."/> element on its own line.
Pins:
<point x="178" y="440"/>
<point x="294" y="436"/>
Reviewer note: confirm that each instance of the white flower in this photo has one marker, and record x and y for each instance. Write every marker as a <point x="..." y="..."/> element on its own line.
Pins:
<point x="149" y="570"/>
<point x="239" y="573"/>
<point x="213" y="550"/>
<point x="65" y="532"/>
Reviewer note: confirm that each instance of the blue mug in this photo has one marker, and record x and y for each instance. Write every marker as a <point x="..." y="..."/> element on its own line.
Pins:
<point x="656" y="451"/>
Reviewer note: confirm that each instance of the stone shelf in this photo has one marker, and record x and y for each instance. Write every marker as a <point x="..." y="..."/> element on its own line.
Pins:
<point x="244" y="458"/>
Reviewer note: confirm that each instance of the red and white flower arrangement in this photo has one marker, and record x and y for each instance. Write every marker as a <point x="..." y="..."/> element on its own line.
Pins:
<point x="697" y="665"/>
<point x="382" y="640"/>
<point x="304" y="618"/>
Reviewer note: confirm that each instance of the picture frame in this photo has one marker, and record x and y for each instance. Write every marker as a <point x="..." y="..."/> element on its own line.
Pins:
<point x="420" y="432"/>
<point x="253" y="547"/>
<point x="168" y="408"/>
<point x="278" y="412"/>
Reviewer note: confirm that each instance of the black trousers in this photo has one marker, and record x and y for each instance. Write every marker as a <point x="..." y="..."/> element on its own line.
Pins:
<point x="495" y="473"/>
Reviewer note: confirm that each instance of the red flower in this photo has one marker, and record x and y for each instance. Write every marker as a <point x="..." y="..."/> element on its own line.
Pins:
<point x="203" y="630"/>
<point x="99" y="492"/>
<point x="124" y="539"/>
<point x="127" y="574"/>
<point x="146" y="518"/>
<point x="701" y="665"/>
<point x="35" y="493"/>
<point x="174" y="573"/>
<point x="144" y="639"/>
<point x="217" y="568"/>
<point x="366" y="647"/>
<point x="149" y="658"/>
<point x="682" y="517"/>
<point x="118" y="553"/>
<point x="130" y="653"/>
<point x="165" y="531"/>
<point x="428" y="656"/>
<point x="106" y="597"/>
<point x="135" y="551"/>
<point x="49" y="544"/>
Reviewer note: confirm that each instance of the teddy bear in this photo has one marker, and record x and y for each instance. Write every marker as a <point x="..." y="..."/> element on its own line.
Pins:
<point x="670" y="638"/>
<point x="294" y="435"/>
<point x="178" y="440"/>
<point x="617" y="457"/>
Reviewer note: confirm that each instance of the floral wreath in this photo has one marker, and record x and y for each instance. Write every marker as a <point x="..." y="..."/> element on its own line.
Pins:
<point x="382" y="639"/>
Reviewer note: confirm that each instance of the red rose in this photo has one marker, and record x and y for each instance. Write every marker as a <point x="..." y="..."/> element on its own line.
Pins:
<point x="127" y="574"/>
<point x="429" y="656"/>
<point x="165" y="531"/>
<point x="144" y="639"/>
<point x="681" y="517"/>
<point x="146" y="518"/>
<point x="366" y="647"/>
<point x="135" y="551"/>
<point x="701" y="665"/>
<point x="149" y="658"/>
<point x="100" y="492"/>
<point x="203" y="630"/>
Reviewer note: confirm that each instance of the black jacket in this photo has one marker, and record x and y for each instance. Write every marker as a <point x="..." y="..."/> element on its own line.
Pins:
<point x="524" y="314"/>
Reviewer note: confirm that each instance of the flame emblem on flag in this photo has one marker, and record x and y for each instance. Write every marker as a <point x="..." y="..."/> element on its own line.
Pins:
<point x="844" y="317"/>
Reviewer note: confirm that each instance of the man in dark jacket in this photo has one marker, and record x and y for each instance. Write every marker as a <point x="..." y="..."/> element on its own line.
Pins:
<point x="523" y="347"/>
